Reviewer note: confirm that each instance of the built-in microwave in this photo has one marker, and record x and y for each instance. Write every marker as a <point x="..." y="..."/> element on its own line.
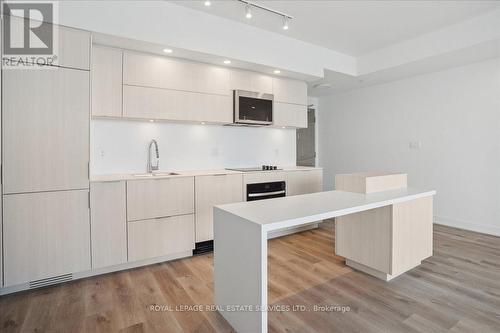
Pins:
<point x="252" y="108"/>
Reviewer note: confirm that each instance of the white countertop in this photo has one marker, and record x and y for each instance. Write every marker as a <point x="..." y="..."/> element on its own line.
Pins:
<point x="186" y="173"/>
<point x="278" y="213"/>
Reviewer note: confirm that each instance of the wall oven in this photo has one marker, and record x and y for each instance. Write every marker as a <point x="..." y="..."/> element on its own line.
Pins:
<point x="251" y="108"/>
<point x="261" y="191"/>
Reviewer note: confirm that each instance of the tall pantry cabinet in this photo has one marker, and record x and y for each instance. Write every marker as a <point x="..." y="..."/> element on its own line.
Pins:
<point x="45" y="166"/>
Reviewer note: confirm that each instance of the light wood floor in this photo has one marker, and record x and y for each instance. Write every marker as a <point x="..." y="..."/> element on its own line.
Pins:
<point x="457" y="290"/>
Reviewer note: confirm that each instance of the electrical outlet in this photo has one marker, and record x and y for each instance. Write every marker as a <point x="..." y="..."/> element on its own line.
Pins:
<point x="415" y="144"/>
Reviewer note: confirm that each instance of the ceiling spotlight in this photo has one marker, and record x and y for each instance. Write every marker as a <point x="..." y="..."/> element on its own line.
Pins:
<point x="276" y="71"/>
<point x="168" y="50"/>
<point x="207" y="3"/>
<point x="227" y="61"/>
<point x="248" y="12"/>
<point x="285" y="23"/>
<point x="151" y="121"/>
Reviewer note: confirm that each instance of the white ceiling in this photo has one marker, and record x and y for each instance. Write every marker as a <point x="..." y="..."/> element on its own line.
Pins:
<point x="352" y="27"/>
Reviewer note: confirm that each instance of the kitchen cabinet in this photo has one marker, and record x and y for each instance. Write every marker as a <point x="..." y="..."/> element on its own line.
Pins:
<point x="289" y="91"/>
<point x="290" y="115"/>
<point x="108" y="222"/>
<point x="155" y="198"/>
<point x="106" y="75"/>
<point x="163" y="104"/>
<point x="72" y="46"/>
<point x="160" y="237"/>
<point x="210" y="191"/>
<point x="161" y="72"/>
<point x="45" y="129"/>
<point x="251" y="81"/>
<point x="304" y="181"/>
<point x="45" y="235"/>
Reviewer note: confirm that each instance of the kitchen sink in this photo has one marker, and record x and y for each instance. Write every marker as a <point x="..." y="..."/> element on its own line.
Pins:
<point x="156" y="174"/>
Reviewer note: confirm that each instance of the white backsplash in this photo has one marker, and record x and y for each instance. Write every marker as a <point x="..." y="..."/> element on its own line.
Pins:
<point x="120" y="146"/>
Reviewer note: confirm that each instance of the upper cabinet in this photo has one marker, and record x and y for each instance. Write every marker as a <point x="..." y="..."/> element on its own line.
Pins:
<point x="72" y="45"/>
<point x="167" y="73"/>
<point x="289" y="91"/>
<point x="251" y="81"/>
<point x="106" y="76"/>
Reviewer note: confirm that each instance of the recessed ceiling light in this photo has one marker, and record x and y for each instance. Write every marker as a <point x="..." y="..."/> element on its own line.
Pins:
<point x="168" y="50"/>
<point x="276" y="71"/>
<point x="203" y="123"/>
<point x="151" y="121"/>
<point x="283" y="127"/>
<point x="207" y="3"/>
<point x="227" y="61"/>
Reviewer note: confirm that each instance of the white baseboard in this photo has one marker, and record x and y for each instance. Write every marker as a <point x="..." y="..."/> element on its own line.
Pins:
<point x="484" y="229"/>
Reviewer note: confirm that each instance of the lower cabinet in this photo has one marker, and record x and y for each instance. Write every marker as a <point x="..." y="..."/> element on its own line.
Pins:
<point x="304" y="181"/>
<point x="160" y="237"/>
<point x="108" y="221"/>
<point x="210" y="191"/>
<point x="45" y="235"/>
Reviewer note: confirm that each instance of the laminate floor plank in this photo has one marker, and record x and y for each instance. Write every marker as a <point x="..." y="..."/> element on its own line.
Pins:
<point x="310" y="290"/>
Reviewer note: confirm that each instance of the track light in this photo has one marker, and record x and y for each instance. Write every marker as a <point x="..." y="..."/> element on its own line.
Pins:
<point x="208" y="3"/>
<point x="285" y="23"/>
<point x="248" y="12"/>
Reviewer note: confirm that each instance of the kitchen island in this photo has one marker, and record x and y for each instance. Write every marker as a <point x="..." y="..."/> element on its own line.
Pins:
<point x="241" y="229"/>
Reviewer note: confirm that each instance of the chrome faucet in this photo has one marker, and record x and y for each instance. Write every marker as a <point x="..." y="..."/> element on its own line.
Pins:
<point x="152" y="167"/>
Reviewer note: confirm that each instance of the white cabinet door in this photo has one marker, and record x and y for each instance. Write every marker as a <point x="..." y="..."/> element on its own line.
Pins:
<point x="155" y="198"/>
<point x="106" y="75"/>
<point x="45" y="235"/>
<point x="108" y="221"/>
<point x="72" y="46"/>
<point x="251" y="81"/>
<point x="304" y="181"/>
<point x="210" y="191"/>
<point x="160" y="237"/>
<point x="164" y="104"/>
<point x="161" y="72"/>
<point x="290" y="115"/>
<point x="45" y="129"/>
<point x="290" y="91"/>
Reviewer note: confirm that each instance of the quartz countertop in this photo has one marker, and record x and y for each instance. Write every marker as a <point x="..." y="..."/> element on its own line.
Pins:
<point x="295" y="210"/>
<point x="183" y="173"/>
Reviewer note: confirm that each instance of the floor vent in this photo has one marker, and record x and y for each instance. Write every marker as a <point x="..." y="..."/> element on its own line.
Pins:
<point x="203" y="247"/>
<point x="50" y="281"/>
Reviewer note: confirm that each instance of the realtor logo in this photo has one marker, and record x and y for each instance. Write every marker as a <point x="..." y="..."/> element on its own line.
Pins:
<point x="29" y="33"/>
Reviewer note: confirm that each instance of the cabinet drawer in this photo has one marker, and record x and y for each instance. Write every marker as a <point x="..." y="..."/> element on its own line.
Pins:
<point x="155" y="198"/>
<point x="160" y="237"/>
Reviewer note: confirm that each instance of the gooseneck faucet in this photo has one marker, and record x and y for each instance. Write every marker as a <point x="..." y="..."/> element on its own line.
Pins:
<point x="156" y="157"/>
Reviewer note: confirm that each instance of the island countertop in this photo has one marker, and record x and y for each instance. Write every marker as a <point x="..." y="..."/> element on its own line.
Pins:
<point x="278" y="213"/>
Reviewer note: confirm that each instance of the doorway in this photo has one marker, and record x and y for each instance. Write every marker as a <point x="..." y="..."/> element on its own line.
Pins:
<point x="306" y="141"/>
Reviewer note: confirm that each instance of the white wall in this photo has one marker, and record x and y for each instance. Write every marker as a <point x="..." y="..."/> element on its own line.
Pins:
<point x="165" y="23"/>
<point x="124" y="144"/>
<point x="455" y="114"/>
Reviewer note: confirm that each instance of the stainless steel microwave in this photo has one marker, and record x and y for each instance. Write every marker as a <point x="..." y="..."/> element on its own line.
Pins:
<point x="251" y="108"/>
